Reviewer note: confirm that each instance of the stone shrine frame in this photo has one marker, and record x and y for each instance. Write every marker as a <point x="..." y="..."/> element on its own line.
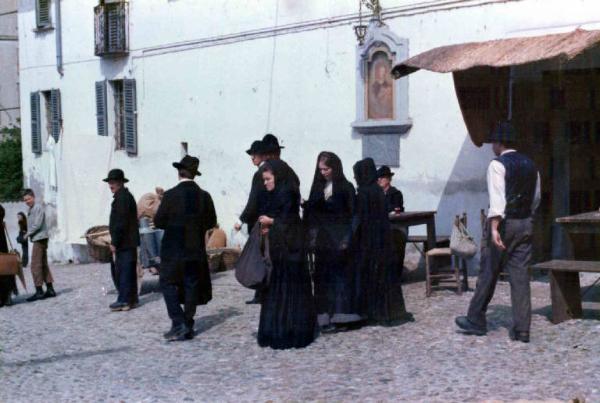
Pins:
<point x="381" y="101"/>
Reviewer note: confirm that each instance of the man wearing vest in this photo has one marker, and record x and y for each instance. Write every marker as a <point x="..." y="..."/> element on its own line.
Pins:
<point x="514" y="190"/>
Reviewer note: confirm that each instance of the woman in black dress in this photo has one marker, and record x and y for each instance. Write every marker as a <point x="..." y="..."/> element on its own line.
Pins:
<point x="382" y="300"/>
<point x="22" y="220"/>
<point x="8" y="285"/>
<point x="287" y="315"/>
<point x="328" y="215"/>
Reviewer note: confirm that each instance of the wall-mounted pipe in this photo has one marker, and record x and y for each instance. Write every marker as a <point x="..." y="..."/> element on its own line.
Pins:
<point x="59" y="53"/>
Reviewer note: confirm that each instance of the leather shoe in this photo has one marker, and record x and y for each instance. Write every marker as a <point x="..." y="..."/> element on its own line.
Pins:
<point x="181" y="333"/>
<point x="170" y="333"/>
<point x="119" y="306"/>
<point x="518" y="336"/>
<point x="50" y="293"/>
<point x="469" y="327"/>
<point x="37" y="296"/>
<point x="253" y="301"/>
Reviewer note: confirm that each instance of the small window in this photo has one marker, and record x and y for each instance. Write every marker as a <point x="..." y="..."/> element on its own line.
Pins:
<point x="111" y="28"/>
<point x="42" y="14"/>
<point x="116" y="113"/>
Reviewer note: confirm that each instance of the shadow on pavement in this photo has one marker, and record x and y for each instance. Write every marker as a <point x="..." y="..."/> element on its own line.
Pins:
<point x="62" y="357"/>
<point x="207" y="322"/>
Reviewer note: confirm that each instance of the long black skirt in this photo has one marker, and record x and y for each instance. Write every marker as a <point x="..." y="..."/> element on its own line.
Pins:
<point x="287" y="315"/>
<point x="335" y="285"/>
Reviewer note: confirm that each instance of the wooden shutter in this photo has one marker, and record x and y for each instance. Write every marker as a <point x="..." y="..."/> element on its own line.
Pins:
<point x="130" y="108"/>
<point x="116" y="29"/>
<point x="99" y="30"/>
<point x="101" y="112"/>
<point x="36" y="133"/>
<point x="42" y="8"/>
<point x="55" y="114"/>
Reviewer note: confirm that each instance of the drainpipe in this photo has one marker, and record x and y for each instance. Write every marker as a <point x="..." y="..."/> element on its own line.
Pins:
<point x="59" y="54"/>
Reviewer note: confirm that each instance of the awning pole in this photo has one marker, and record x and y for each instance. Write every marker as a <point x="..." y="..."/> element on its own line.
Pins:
<point x="510" y="92"/>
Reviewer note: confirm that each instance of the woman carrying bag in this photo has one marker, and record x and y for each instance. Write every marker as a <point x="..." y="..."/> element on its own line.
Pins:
<point x="287" y="316"/>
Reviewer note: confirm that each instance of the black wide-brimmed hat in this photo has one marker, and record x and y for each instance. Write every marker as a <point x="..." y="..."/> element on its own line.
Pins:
<point x="257" y="147"/>
<point x="504" y="132"/>
<point x="270" y="143"/>
<point x="188" y="163"/>
<point x="116" y="175"/>
<point x="384" y="171"/>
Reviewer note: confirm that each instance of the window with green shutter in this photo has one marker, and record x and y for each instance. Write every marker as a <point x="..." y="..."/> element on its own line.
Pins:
<point x="116" y="113"/>
<point x="55" y="114"/>
<point x="130" y="116"/>
<point x="111" y="25"/>
<point x="42" y="14"/>
<point x="36" y="132"/>
<point x="101" y="113"/>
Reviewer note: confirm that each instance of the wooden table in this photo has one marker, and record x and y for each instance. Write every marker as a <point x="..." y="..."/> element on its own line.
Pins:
<point x="565" y="288"/>
<point x="412" y="218"/>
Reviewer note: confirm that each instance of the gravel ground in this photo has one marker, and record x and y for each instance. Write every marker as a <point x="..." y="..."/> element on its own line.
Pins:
<point x="72" y="348"/>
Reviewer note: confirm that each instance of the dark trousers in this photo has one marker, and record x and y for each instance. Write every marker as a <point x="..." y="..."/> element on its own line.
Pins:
<point x="126" y="274"/>
<point x="189" y="288"/>
<point x="516" y="259"/>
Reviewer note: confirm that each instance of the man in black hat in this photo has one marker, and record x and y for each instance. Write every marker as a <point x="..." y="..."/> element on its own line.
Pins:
<point x="250" y="214"/>
<point x="272" y="151"/>
<point x="394" y="202"/>
<point x="125" y="238"/>
<point x="514" y="191"/>
<point x="185" y="213"/>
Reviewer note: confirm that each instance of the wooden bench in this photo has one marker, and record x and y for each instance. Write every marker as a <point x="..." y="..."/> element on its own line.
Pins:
<point x="565" y="289"/>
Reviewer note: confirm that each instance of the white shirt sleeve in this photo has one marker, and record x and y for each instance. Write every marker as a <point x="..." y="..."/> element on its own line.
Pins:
<point x="538" y="195"/>
<point x="496" y="188"/>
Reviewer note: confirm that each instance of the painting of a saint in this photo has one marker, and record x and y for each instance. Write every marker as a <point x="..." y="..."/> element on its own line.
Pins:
<point x="380" y="87"/>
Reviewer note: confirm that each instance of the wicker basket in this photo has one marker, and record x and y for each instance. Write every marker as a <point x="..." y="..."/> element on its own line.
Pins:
<point x="98" y="248"/>
<point x="230" y="257"/>
<point x="215" y="260"/>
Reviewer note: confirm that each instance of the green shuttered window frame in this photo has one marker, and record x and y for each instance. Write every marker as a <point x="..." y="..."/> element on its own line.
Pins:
<point x="42" y="14"/>
<point x="36" y="132"/>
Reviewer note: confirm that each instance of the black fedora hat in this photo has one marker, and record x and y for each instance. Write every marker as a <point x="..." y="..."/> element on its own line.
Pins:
<point x="271" y="143"/>
<point x="384" y="171"/>
<point x="188" y="163"/>
<point x="257" y="147"/>
<point x="116" y="175"/>
<point x="504" y="132"/>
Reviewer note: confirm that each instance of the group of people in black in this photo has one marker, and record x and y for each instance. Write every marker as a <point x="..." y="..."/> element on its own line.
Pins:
<point x="357" y="267"/>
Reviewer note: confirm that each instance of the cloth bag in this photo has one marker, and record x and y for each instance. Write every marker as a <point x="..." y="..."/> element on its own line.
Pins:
<point x="253" y="268"/>
<point x="10" y="263"/>
<point x="461" y="242"/>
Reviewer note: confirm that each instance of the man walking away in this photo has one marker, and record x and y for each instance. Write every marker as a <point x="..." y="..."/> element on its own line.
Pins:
<point x="185" y="213"/>
<point x="37" y="232"/>
<point x="514" y="190"/>
<point x="125" y="238"/>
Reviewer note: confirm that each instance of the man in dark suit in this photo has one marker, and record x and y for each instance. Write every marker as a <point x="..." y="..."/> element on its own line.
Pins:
<point x="185" y="213"/>
<point x="125" y="238"/>
<point x="272" y="151"/>
<point x="250" y="214"/>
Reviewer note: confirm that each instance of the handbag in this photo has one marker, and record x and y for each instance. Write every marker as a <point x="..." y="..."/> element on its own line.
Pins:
<point x="10" y="263"/>
<point x="253" y="268"/>
<point x="461" y="242"/>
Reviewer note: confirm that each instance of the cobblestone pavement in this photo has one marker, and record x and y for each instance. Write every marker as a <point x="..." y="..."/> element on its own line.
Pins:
<point x="72" y="348"/>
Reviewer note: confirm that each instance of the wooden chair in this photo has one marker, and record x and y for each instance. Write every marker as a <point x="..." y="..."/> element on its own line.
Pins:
<point x="457" y="265"/>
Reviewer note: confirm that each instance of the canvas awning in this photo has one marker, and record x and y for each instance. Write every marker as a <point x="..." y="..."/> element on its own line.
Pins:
<point x="463" y="59"/>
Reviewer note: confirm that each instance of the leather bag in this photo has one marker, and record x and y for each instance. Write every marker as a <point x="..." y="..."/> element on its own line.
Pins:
<point x="10" y="263"/>
<point x="253" y="268"/>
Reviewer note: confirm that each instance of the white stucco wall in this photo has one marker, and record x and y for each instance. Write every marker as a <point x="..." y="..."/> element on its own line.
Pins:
<point x="207" y="73"/>
<point x="9" y="66"/>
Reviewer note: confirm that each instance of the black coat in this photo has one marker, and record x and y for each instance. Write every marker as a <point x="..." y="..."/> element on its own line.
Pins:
<point x="3" y="240"/>
<point x="123" y="224"/>
<point x="394" y="199"/>
<point x="250" y="214"/>
<point x="186" y="212"/>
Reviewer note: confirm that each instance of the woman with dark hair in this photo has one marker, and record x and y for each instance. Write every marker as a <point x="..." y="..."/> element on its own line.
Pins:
<point x="8" y="285"/>
<point x="22" y="220"/>
<point x="328" y="215"/>
<point x="382" y="300"/>
<point x="287" y="316"/>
